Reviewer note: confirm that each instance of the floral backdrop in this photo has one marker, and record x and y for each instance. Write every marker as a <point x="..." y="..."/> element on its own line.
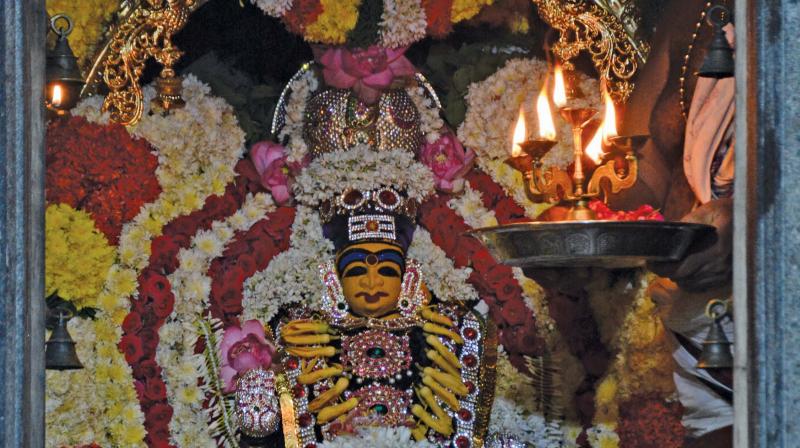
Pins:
<point x="191" y="217"/>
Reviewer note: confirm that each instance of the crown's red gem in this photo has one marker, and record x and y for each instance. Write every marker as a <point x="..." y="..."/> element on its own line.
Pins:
<point x="388" y="197"/>
<point x="353" y="197"/>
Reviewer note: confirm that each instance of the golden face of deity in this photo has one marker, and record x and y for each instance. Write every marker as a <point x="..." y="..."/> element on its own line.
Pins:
<point x="371" y="275"/>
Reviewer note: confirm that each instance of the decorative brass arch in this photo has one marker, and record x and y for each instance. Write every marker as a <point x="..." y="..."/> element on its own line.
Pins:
<point x="606" y="29"/>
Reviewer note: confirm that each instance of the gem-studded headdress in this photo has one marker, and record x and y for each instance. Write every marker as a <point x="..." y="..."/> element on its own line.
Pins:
<point x="383" y="214"/>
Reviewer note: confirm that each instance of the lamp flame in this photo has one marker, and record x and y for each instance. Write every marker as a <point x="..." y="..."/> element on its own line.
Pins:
<point x="57" y="96"/>
<point x="520" y="134"/>
<point x="559" y="89"/>
<point x="609" y="126"/>
<point x="595" y="147"/>
<point x="547" y="129"/>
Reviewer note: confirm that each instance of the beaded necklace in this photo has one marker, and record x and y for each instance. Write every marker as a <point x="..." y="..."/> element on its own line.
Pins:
<point x="686" y="57"/>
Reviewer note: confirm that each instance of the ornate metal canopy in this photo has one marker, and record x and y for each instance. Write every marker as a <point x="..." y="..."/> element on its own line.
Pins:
<point x="606" y="29"/>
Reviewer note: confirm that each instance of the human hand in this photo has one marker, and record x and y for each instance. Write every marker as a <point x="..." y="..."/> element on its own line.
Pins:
<point x="708" y="264"/>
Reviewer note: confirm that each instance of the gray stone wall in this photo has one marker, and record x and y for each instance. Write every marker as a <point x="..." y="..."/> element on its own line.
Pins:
<point x="22" y="34"/>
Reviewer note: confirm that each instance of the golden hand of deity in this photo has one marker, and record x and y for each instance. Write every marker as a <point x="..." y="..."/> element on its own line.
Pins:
<point x="307" y="338"/>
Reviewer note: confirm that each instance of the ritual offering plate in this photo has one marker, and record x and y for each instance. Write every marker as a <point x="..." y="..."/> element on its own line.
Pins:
<point x="606" y="244"/>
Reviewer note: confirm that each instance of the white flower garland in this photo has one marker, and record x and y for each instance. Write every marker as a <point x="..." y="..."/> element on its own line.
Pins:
<point x="274" y="8"/>
<point x="191" y="285"/>
<point x="294" y="117"/>
<point x="293" y="275"/>
<point x="492" y="111"/>
<point x="364" y="169"/>
<point x="446" y="281"/>
<point x="430" y="120"/>
<point x="403" y="22"/>
<point x="377" y="437"/>
<point x="187" y="178"/>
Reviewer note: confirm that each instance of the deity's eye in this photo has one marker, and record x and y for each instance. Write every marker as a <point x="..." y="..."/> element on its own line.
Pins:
<point x="388" y="271"/>
<point x="355" y="271"/>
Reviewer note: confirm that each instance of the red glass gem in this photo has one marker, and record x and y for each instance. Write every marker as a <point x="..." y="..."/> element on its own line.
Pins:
<point x="299" y="391"/>
<point x="470" y="333"/>
<point x="292" y="363"/>
<point x="311" y="445"/>
<point x="353" y="197"/>
<point x="304" y="420"/>
<point x="388" y="198"/>
<point x="470" y="360"/>
<point x="464" y="414"/>
<point x="470" y="386"/>
<point x="372" y="226"/>
<point x="462" y="442"/>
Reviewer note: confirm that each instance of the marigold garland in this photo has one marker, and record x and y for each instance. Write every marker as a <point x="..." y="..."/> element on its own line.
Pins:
<point x="78" y="255"/>
<point x="467" y="9"/>
<point x="338" y="18"/>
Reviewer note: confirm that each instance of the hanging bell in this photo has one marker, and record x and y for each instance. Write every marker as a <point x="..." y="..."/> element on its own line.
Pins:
<point x="63" y="76"/>
<point x="719" y="58"/>
<point x="59" y="351"/>
<point x="716" y="352"/>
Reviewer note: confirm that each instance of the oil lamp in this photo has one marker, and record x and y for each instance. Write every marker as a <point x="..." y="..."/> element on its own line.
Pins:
<point x="64" y="80"/>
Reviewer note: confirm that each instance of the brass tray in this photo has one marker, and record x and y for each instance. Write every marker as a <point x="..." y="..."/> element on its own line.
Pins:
<point x="608" y="244"/>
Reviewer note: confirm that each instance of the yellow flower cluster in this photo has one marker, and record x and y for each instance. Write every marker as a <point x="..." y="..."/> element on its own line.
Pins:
<point x="644" y="361"/>
<point x="89" y="18"/>
<point x="78" y="255"/>
<point x="466" y="9"/>
<point x="337" y="19"/>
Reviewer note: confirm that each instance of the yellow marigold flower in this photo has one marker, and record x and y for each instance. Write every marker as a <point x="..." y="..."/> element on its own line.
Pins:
<point x="467" y="9"/>
<point x="337" y="19"/>
<point x="607" y="390"/>
<point x="77" y="256"/>
<point x="520" y="25"/>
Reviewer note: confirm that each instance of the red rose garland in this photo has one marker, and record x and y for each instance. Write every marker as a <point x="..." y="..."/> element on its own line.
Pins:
<point x="101" y="169"/>
<point x="155" y="300"/>
<point x="650" y="422"/>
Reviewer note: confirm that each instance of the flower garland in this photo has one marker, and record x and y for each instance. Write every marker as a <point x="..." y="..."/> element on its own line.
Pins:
<point x="362" y="168"/>
<point x="293" y="275"/>
<point x="175" y="353"/>
<point x="446" y="281"/>
<point x="431" y="123"/>
<point x="378" y="437"/>
<point x="403" y="22"/>
<point x="338" y="18"/>
<point x="101" y="169"/>
<point x="187" y="178"/>
<point x="78" y="256"/>
<point x="292" y="130"/>
<point x="492" y="110"/>
<point x="400" y="22"/>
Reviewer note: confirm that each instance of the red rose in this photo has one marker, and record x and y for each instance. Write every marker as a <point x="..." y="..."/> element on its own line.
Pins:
<point x="522" y="339"/>
<point x="184" y="225"/>
<point x="437" y="13"/>
<point x="131" y="347"/>
<point x="162" y="306"/>
<point x="482" y="261"/>
<point x="279" y="222"/>
<point x="158" y="415"/>
<point x="502" y="282"/>
<point x="514" y="311"/>
<point x="154" y="286"/>
<point x="148" y="368"/>
<point x="132" y="322"/>
<point x="507" y="209"/>
<point x="149" y="338"/>
<point x="247" y="264"/>
<point x="164" y="254"/>
<point x="154" y="389"/>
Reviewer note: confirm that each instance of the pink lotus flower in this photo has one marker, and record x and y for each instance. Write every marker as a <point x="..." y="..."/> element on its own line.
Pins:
<point x="448" y="160"/>
<point x="275" y="171"/>
<point x="243" y="349"/>
<point x="367" y="71"/>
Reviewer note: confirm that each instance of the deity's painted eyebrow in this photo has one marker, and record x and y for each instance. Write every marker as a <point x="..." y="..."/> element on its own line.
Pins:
<point x="358" y="254"/>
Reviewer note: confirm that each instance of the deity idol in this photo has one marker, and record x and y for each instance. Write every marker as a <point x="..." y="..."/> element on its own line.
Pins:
<point x="381" y="350"/>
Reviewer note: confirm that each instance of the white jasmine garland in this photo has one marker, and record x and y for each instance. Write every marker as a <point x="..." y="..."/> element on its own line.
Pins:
<point x="377" y="437"/>
<point x="364" y="169"/>
<point x="469" y="206"/>
<point x="191" y="285"/>
<point x="293" y="275"/>
<point x="274" y="8"/>
<point x="446" y="281"/>
<point x="187" y="177"/>
<point x="431" y="122"/>
<point x="301" y="89"/>
<point x="403" y="22"/>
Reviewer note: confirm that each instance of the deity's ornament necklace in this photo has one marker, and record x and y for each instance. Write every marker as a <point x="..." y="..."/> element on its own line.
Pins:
<point x="686" y="58"/>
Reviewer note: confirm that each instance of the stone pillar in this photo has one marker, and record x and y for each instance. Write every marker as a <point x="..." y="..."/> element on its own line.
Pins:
<point x="767" y="224"/>
<point x="22" y="39"/>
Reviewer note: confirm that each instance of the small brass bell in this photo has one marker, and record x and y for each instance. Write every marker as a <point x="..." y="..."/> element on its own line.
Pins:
<point x="716" y="352"/>
<point x="59" y="351"/>
<point x="719" y="59"/>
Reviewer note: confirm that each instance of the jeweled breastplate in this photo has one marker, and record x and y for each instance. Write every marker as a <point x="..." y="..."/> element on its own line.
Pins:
<point x="336" y="119"/>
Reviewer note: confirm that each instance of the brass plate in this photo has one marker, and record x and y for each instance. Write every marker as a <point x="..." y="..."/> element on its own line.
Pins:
<point x="608" y="244"/>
